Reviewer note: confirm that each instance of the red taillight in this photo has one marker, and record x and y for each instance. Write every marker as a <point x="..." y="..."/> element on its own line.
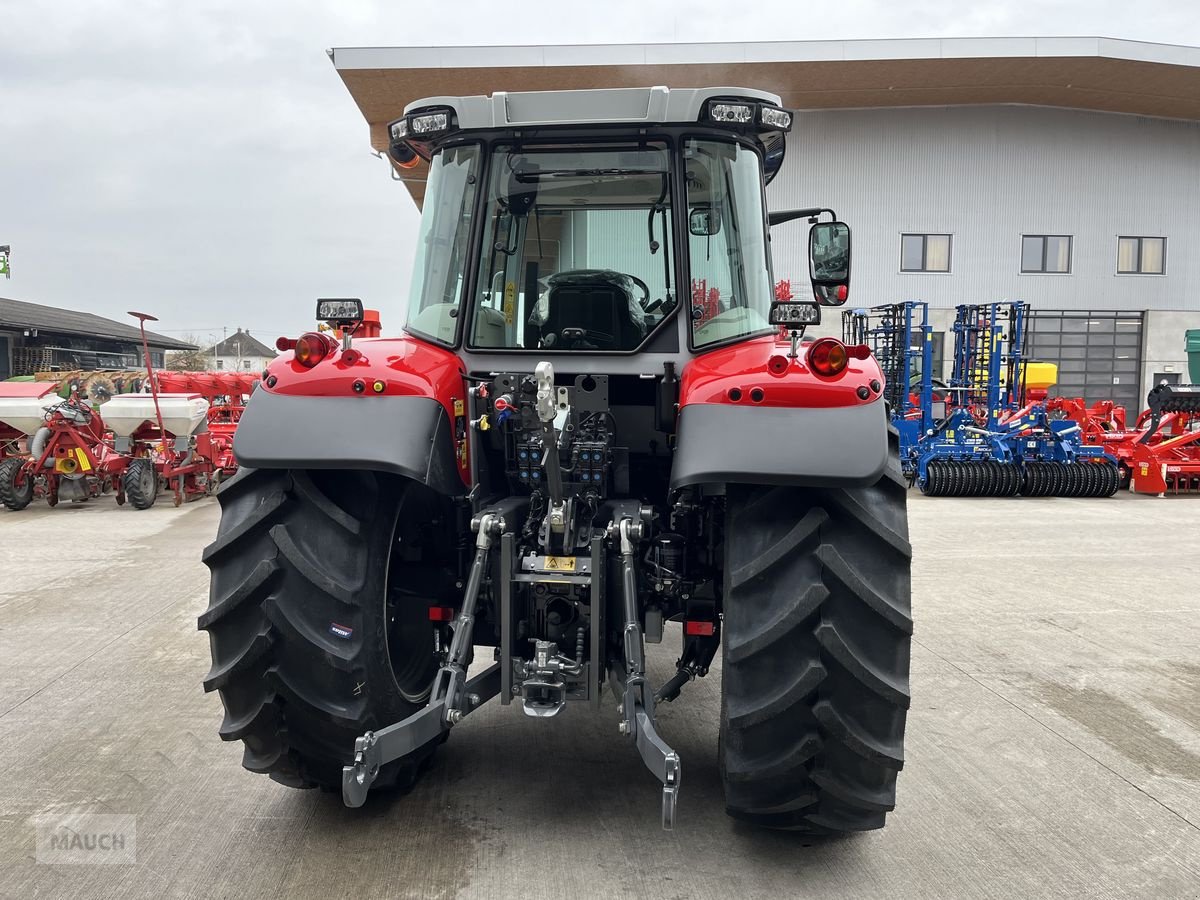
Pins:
<point x="697" y="628"/>
<point x="311" y="349"/>
<point x="859" y="351"/>
<point x="828" y="356"/>
<point x="441" y="614"/>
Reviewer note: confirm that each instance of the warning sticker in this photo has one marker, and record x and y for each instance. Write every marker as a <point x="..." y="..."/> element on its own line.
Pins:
<point x="510" y="303"/>
<point x="560" y="564"/>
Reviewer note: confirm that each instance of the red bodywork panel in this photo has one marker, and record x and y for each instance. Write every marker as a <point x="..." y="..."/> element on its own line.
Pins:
<point x="406" y="366"/>
<point x="746" y="368"/>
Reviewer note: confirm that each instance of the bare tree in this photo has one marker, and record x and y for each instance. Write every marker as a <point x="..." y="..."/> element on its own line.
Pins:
<point x="189" y="360"/>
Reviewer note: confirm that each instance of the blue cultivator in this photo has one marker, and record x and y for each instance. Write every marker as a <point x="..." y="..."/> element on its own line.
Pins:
<point x="976" y="436"/>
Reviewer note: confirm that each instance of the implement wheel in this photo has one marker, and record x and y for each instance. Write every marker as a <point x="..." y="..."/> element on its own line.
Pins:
<point x="817" y="630"/>
<point x="141" y="483"/>
<point x="318" y="616"/>
<point x="13" y="495"/>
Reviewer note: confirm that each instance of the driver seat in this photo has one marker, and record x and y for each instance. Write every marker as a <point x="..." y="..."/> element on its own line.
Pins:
<point x="596" y="301"/>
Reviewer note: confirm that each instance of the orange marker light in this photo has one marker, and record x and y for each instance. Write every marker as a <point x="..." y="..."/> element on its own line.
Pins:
<point x="828" y="357"/>
<point x="311" y="349"/>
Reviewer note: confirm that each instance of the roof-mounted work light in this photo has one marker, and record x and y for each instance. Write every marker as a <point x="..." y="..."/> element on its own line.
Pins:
<point x="740" y="113"/>
<point x="410" y="136"/>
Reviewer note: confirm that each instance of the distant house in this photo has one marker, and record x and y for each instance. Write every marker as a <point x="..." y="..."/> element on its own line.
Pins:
<point x="240" y="352"/>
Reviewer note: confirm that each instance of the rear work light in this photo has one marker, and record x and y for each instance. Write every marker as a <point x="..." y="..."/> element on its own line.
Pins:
<point x="429" y="123"/>
<point x="738" y="113"/>
<point x="774" y="117"/>
<point x="828" y="357"/>
<point x="312" y="348"/>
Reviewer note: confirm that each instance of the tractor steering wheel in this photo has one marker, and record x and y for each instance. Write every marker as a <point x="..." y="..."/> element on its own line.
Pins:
<point x="645" y="301"/>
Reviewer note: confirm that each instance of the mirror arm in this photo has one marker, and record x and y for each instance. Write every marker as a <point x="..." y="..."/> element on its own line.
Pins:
<point x="789" y="215"/>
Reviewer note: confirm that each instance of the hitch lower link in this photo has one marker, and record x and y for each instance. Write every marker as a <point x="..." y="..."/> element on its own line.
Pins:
<point x="452" y="698"/>
<point x="637" y="703"/>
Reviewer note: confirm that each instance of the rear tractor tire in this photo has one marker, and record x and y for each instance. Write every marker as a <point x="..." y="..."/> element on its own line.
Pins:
<point x="318" y="619"/>
<point x="817" y="632"/>
<point x="14" y="496"/>
<point x="141" y="483"/>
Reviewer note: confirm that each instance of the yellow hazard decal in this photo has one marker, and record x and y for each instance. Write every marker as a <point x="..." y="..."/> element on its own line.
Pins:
<point x="510" y="303"/>
<point x="459" y="409"/>
<point x="560" y="564"/>
<point x="83" y="460"/>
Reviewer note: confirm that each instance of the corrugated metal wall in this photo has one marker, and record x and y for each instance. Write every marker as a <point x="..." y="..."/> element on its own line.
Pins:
<point x="987" y="175"/>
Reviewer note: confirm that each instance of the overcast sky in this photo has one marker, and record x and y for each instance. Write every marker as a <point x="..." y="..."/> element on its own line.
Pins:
<point x="202" y="160"/>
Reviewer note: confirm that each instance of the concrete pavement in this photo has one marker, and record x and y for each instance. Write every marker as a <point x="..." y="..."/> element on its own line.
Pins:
<point x="1053" y="744"/>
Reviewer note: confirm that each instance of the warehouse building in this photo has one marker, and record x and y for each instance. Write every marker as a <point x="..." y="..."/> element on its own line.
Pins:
<point x="36" y="338"/>
<point x="1060" y="171"/>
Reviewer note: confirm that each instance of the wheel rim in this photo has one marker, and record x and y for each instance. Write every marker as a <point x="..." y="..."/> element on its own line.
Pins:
<point x="407" y="597"/>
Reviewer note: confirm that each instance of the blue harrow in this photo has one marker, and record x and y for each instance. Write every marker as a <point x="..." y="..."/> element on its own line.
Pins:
<point x="976" y="435"/>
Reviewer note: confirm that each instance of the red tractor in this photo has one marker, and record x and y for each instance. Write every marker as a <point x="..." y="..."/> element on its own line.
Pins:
<point x="591" y="426"/>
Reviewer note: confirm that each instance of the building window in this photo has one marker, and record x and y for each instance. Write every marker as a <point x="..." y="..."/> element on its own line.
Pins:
<point x="246" y="364"/>
<point x="1048" y="253"/>
<point x="220" y="363"/>
<point x="1141" y="255"/>
<point x="924" y="253"/>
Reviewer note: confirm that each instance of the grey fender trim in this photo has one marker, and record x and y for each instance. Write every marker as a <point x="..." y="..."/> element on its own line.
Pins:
<point x="750" y="444"/>
<point x="408" y="436"/>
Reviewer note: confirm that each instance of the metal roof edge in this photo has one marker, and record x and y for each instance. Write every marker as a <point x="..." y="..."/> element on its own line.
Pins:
<point x="551" y="55"/>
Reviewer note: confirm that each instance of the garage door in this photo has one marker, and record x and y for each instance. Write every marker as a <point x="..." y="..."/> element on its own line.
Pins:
<point x="1099" y="354"/>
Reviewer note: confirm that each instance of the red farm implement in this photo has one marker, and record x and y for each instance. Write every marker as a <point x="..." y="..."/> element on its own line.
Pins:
<point x="68" y="455"/>
<point x="166" y="435"/>
<point x="227" y="394"/>
<point x="1160" y="452"/>
<point x="178" y="438"/>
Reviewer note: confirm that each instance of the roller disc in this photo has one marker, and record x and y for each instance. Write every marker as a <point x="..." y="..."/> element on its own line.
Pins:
<point x="1058" y="479"/>
<point x="929" y="484"/>
<point x="1031" y="480"/>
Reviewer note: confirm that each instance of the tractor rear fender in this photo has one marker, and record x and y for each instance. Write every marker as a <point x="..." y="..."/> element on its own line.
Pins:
<point x="408" y="436"/>
<point x="721" y="443"/>
<point x="750" y="413"/>
<point x="389" y="405"/>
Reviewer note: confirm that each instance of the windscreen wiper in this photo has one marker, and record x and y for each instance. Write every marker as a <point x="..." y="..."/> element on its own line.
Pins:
<point x="580" y="173"/>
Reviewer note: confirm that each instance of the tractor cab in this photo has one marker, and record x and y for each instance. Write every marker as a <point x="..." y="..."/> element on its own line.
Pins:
<point x="585" y="221"/>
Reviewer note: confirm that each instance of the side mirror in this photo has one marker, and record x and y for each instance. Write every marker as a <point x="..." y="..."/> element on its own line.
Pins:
<point x="829" y="262"/>
<point x="340" y="313"/>
<point x="704" y="222"/>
